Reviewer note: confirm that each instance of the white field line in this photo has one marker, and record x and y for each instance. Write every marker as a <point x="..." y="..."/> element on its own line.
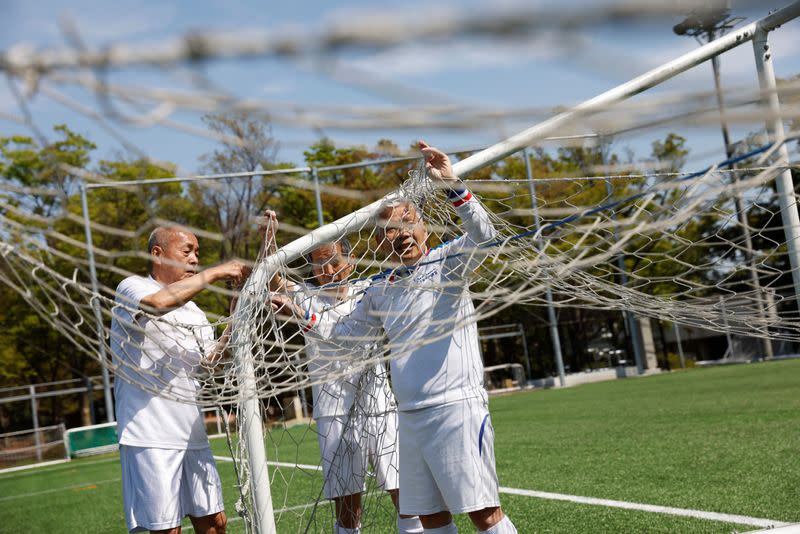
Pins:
<point x="66" y="465"/>
<point x="32" y="466"/>
<point x="86" y="485"/>
<point x="789" y="529"/>
<point x="307" y="467"/>
<point x="700" y="514"/>
<point x="684" y="512"/>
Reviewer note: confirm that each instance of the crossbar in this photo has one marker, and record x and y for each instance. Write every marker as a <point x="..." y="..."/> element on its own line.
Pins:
<point x="526" y="138"/>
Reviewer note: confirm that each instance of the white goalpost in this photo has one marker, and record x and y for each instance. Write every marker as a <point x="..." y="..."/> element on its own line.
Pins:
<point x="756" y="32"/>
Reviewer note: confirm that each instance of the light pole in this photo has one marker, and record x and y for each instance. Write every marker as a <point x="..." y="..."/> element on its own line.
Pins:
<point x="705" y="25"/>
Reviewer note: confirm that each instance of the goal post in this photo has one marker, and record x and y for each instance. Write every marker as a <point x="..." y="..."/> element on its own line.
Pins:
<point x="526" y="138"/>
<point x="358" y="220"/>
<point x="24" y="449"/>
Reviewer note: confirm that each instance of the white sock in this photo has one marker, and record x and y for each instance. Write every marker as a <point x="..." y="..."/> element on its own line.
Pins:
<point x="449" y="528"/>
<point x="504" y="526"/>
<point x="409" y="525"/>
<point x="342" y="530"/>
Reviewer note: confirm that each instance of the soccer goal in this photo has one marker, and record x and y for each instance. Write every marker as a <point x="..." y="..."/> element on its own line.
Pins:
<point x="655" y="242"/>
<point x="554" y="255"/>
<point x="33" y="448"/>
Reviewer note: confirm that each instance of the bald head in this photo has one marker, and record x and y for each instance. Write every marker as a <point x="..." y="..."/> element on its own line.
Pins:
<point x="174" y="253"/>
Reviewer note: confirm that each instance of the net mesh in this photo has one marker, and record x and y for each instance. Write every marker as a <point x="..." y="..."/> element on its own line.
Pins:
<point x="28" y="447"/>
<point x="704" y="249"/>
<point x="660" y="246"/>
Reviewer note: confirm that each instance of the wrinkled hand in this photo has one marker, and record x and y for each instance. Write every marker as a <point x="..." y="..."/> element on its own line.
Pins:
<point x="233" y="271"/>
<point x="437" y="164"/>
<point x="283" y="305"/>
<point x="268" y="226"/>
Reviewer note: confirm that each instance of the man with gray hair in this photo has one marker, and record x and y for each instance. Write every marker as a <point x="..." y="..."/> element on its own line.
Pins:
<point x="423" y="307"/>
<point x="354" y="409"/>
<point x="158" y="339"/>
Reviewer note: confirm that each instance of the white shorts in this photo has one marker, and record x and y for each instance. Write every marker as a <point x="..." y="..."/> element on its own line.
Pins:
<point x="161" y="486"/>
<point x="350" y="444"/>
<point x="447" y="459"/>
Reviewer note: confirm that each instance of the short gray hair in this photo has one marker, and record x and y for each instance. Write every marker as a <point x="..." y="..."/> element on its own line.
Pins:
<point x="392" y="203"/>
<point x="159" y="237"/>
<point x="344" y="244"/>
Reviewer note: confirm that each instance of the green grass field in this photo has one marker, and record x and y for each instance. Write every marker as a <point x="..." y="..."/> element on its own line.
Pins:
<point x="719" y="440"/>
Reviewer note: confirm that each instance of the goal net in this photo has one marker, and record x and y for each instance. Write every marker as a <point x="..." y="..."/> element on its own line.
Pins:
<point x="575" y="228"/>
<point x="679" y="237"/>
<point x="27" y="448"/>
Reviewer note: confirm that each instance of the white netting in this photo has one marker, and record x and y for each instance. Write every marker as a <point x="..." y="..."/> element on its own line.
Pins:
<point x="677" y="241"/>
<point x="705" y="249"/>
<point x="681" y="238"/>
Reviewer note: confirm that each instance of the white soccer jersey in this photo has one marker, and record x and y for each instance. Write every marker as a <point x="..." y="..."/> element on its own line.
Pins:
<point x="428" y="317"/>
<point x="161" y="353"/>
<point x="335" y="397"/>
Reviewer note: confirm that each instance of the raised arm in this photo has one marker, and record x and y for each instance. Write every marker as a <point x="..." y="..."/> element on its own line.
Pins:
<point x="179" y="293"/>
<point x="351" y="331"/>
<point x="463" y="254"/>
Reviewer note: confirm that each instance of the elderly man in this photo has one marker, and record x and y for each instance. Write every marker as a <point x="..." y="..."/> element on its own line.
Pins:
<point x="424" y="308"/>
<point x="354" y="410"/>
<point x="158" y="339"/>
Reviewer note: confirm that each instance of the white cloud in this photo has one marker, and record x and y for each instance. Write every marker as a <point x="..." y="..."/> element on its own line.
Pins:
<point x="459" y="55"/>
<point x="97" y="24"/>
<point x="277" y="88"/>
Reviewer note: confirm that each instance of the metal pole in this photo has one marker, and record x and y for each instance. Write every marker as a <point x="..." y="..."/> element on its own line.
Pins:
<point x="243" y="336"/>
<point x="677" y="330"/>
<point x="726" y="137"/>
<point x="633" y="325"/>
<point x="729" y="352"/>
<point x="62" y="429"/>
<point x="774" y="124"/>
<point x="317" y="196"/>
<point x="737" y="198"/>
<point x="551" y="313"/>
<point x="35" y="416"/>
<point x="98" y="316"/>
<point x="253" y="429"/>
<point x="525" y="350"/>
<point x="90" y="395"/>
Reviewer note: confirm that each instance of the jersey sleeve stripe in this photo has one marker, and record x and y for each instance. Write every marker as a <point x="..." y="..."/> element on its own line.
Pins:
<point x="311" y="322"/>
<point x="459" y="196"/>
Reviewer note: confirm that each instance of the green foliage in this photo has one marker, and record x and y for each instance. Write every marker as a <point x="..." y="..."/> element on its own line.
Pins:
<point x="671" y="152"/>
<point x="24" y="162"/>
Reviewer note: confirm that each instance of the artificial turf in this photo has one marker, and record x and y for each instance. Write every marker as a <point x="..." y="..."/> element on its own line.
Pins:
<point x="720" y="440"/>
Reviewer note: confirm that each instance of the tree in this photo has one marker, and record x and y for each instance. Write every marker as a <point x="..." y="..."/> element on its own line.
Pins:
<point x="248" y="146"/>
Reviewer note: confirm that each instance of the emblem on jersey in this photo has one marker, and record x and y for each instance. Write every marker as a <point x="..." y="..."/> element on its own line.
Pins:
<point x="426" y="276"/>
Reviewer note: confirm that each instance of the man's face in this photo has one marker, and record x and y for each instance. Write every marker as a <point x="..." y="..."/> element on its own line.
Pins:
<point x="403" y="234"/>
<point x="179" y="259"/>
<point x="329" y="265"/>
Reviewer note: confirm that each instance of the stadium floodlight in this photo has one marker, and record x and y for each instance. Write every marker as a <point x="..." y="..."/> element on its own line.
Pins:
<point x="705" y="24"/>
<point x="710" y="19"/>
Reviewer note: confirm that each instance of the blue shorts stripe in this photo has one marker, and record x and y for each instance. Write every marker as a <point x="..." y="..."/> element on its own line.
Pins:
<point x="480" y="435"/>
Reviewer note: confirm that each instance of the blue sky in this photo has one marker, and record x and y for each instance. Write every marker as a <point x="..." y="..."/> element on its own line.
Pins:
<point x="541" y="72"/>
